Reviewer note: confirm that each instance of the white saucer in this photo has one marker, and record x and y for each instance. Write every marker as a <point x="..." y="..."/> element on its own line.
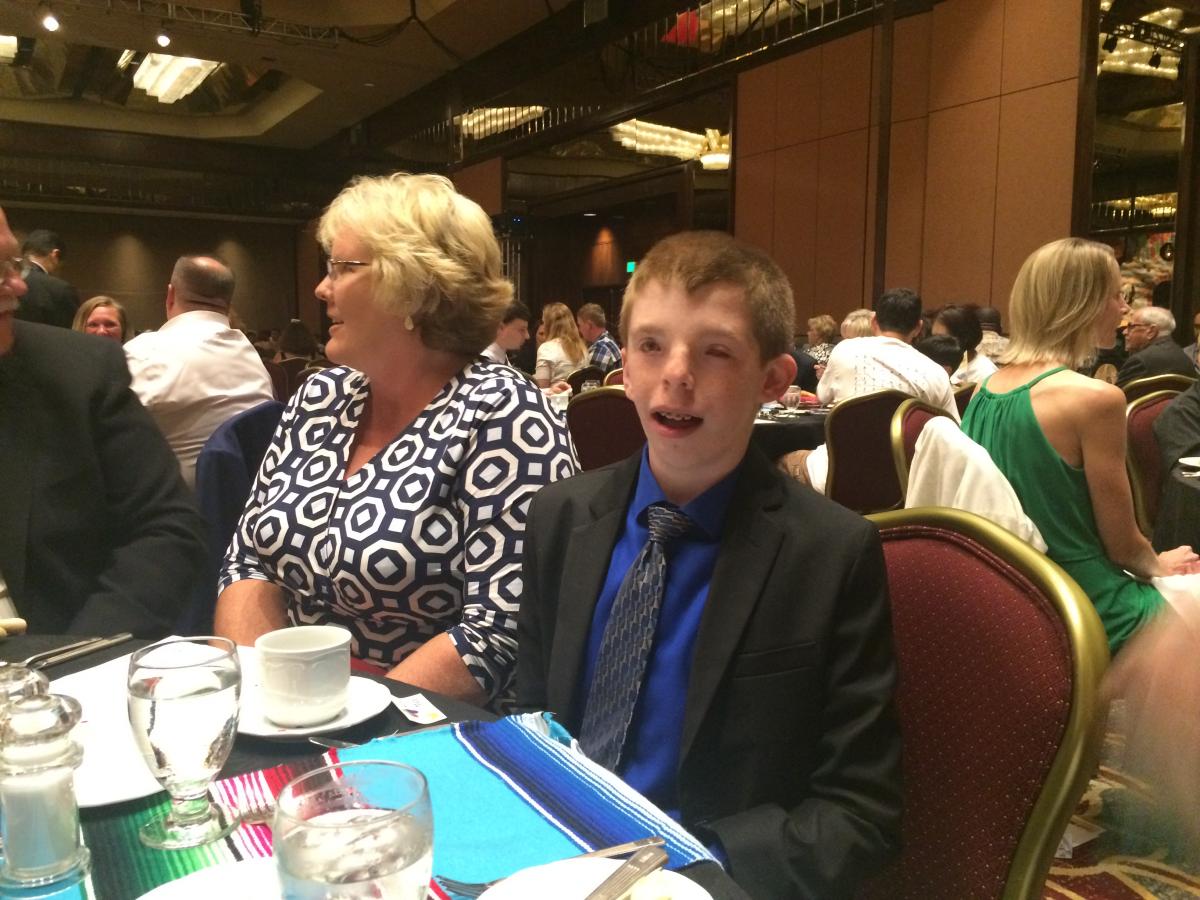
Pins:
<point x="1190" y="462"/>
<point x="365" y="698"/>
<point x="250" y="879"/>
<point x="574" y="879"/>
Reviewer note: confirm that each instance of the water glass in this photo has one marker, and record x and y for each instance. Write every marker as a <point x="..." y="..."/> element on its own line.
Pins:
<point x="355" y="830"/>
<point x="792" y="396"/>
<point x="183" y="708"/>
<point x="589" y="386"/>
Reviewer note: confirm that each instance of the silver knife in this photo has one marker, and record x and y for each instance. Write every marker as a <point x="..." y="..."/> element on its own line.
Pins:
<point x="83" y="648"/>
<point x="633" y="870"/>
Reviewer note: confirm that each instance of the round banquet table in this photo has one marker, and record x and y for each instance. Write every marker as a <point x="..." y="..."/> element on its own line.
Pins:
<point x="779" y="436"/>
<point x="1178" y="520"/>
<point x="252" y="753"/>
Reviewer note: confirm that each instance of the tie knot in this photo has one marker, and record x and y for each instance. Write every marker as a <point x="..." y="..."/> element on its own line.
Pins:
<point x="667" y="522"/>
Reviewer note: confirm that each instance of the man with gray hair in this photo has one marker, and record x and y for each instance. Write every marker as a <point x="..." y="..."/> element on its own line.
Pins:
<point x="1151" y="348"/>
<point x="195" y="372"/>
<point x="603" y="352"/>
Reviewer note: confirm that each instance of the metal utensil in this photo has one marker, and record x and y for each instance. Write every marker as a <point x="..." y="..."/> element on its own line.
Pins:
<point x="75" y="651"/>
<point x="476" y="888"/>
<point x="33" y="661"/>
<point x="633" y="870"/>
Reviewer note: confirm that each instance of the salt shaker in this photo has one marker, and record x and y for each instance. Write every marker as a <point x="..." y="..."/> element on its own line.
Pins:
<point x="19" y="681"/>
<point x="39" y="818"/>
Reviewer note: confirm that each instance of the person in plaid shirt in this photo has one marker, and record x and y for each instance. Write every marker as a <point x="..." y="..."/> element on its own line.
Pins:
<point x="603" y="351"/>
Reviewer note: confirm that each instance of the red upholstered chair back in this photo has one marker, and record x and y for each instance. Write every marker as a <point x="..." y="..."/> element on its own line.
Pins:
<point x="604" y="426"/>
<point x="862" y="472"/>
<point x="294" y="369"/>
<point x="1142" y="459"/>
<point x="279" y="380"/>
<point x="907" y="422"/>
<point x="962" y="397"/>
<point x="579" y="377"/>
<point x="616" y="376"/>
<point x="1140" y="387"/>
<point x="1000" y="656"/>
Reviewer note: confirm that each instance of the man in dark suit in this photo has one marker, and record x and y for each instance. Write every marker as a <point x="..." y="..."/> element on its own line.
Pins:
<point x="97" y="532"/>
<point x="735" y="666"/>
<point x="1152" y="349"/>
<point x="48" y="298"/>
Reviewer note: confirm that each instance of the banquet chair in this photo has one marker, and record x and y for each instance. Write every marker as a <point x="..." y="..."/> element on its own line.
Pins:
<point x="1143" y="461"/>
<point x="1140" y="387"/>
<point x="907" y="421"/>
<point x="293" y="368"/>
<point x="616" y="376"/>
<point x="862" y="472"/>
<point x="962" y="397"/>
<point x="605" y="427"/>
<point x="999" y="657"/>
<point x="225" y="471"/>
<point x="279" y="380"/>
<point x="580" y="377"/>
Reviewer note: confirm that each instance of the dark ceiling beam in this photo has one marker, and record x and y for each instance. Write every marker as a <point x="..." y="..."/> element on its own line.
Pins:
<point x="550" y="43"/>
<point x="122" y="148"/>
<point x="1118" y="93"/>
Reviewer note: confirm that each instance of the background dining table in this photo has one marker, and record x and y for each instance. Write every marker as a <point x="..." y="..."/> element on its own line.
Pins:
<point x="253" y="753"/>
<point x="1178" y="520"/>
<point x="788" y="431"/>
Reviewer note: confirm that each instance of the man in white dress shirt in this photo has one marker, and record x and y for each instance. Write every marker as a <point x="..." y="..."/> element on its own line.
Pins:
<point x="511" y="335"/>
<point x="195" y="372"/>
<point x="885" y="361"/>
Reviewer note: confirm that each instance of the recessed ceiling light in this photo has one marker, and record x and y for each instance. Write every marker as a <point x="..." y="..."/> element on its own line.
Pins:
<point x="368" y="84"/>
<point x="163" y="39"/>
<point x="589" y="215"/>
<point x="46" y="16"/>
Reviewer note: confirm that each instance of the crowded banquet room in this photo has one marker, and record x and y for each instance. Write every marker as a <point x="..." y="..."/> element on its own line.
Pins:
<point x="600" y="449"/>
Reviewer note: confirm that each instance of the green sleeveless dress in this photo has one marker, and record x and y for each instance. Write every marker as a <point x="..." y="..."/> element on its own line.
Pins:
<point x="1055" y="496"/>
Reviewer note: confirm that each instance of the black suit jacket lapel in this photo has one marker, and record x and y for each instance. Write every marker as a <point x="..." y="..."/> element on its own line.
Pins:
<point x="585" y="565"/>
<point x="20" y="420"/>
<point x="749" y="544"/>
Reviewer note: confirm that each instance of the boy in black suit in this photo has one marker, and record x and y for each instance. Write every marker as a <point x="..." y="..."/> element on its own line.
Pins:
<point x="713" y="632"/>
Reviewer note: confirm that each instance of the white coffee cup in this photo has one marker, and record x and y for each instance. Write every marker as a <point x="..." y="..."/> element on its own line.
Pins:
<point x="305" y="674"/>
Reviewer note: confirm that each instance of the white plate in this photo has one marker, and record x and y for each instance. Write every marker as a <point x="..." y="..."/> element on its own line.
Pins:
<point x="364" y="699"/>
<point x="1192" y="462"/>
<point x="574" y="879"/>
<point x="250" y="879"/>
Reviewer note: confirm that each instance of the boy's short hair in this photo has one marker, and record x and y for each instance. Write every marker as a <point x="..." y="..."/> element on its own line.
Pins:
<point x="898" y="310"/>
<point x="593" y="313"/>
<point x="943" y="349"/>
<point x="516" y="310"/>
<point x="696" y="259"/>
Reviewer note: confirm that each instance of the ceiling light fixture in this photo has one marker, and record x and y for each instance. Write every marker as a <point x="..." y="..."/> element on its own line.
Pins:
<point x="170" y="78"/>
<point x="8" y="48"/>
<point x="1110" y="43"/>
<point x="163" y="38"/>
<point x="589" y="215"/>
<point x="46" y="17"/>
<point x="1155" y="59"/>
<point x="488" y="120"/>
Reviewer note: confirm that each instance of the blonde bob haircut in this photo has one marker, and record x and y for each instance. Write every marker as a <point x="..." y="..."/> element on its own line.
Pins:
<point x="858" y="323"/>
<point x="89" y="306"/>
<point x="1060" y="292"/>
<point x="434" y="256"/>
<point x="825" y="327"/>
<point x="693" y="260"/>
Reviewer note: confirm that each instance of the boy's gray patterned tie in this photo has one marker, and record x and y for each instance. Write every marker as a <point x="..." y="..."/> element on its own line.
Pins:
<point x="625" y="647"/>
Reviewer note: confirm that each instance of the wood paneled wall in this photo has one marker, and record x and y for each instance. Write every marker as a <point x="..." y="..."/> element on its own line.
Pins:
<point x="981" y="157"/>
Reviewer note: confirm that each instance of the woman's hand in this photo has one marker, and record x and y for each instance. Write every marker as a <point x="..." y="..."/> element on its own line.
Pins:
<point x="1180" y="561"/>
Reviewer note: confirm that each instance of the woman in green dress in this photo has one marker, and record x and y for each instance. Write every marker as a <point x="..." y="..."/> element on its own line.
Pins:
<point x="1059" y="437"/>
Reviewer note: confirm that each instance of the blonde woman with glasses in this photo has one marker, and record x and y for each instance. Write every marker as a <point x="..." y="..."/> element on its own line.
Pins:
<point x="563" y="351"/>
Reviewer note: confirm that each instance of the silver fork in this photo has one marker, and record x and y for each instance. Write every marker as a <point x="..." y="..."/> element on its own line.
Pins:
<point x="474" y="889"/>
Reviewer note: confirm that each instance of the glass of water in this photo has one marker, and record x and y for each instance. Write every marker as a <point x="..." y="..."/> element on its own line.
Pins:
<point x="355" y="830"/>
<point x="183" y="708"/>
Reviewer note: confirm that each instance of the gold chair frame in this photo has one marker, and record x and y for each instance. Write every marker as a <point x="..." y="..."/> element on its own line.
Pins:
<point x="1154" y="383"/>
<point x="829" y="422"/>
<point x="594" y="393"/>
<point x="897" y="432"/>
<point x="1078" y="751"/>
<point x="618" y="372"/>
<point x="1133" y="468"/>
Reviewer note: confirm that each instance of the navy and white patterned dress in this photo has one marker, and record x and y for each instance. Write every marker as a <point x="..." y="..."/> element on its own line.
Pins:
<point x="426" y="537"/>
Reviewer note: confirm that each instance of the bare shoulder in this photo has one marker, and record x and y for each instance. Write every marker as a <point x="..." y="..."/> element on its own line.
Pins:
<point x="1086" y="401"/>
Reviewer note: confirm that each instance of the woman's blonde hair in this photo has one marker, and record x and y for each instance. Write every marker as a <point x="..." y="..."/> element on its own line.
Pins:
<point x="1060" y="292"/>
<point x="89" y="306"/>
<point x="857" y="323"/>
<point x="435" y="257"/>
<point x="825" y="327"/>
<point x="560" y="326"/>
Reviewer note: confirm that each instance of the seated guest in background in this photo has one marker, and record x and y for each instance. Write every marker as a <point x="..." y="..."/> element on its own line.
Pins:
<point x="97" y="531"/>
<point x="962" y="322"/>
<point x="992" y="343"/>
<point x="1059" y="437"/>
<point x="806" y="371"/>
<point x="402" y="477"/>
<point x="1193" y="349"/>
<point x="943" y="349"/>
<point x="512" y="334"/>
<point x="822" y="332"/>
<point x="1177" y="428"/>
<point x="603" y="351"/>
<point x="858" y="323"/>
<point x="562" y="350"/>
<point x="1152" y="349"/>
<point x="49" y="299"/>
<point x="196" y="371"/>
<point x="296" y="342"/>
<point x="105" y="317"/>
<point x="713" y="633"/>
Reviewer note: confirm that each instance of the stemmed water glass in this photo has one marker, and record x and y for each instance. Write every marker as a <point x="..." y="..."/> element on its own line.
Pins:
<point x="183" y="708"/>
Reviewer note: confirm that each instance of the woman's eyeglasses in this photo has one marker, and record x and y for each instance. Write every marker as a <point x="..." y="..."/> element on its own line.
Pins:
<point x="335" y="268"/>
